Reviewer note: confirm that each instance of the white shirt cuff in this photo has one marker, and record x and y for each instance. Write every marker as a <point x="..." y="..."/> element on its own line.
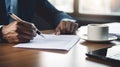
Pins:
<point x="1" y="26"/>
<point x="66" y="19"/>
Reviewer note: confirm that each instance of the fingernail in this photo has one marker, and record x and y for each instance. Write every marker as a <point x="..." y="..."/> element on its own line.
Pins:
<point x="57" y="33"/>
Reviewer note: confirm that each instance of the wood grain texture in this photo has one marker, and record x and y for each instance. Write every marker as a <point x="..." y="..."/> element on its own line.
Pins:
<point x="17" y="57"/>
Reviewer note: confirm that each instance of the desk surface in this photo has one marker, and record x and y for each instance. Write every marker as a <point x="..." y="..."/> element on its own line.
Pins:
<point x="17" y="57"/>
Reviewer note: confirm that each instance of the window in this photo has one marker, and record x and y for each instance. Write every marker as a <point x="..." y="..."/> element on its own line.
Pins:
<point x="63" y="5"/>
<point x="104" y="7"/>
<point x="90" y="10"/>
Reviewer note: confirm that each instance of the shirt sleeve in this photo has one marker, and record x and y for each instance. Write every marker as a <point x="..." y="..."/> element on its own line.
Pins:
<point x="48" y="12"/>
<point x="67" y="19"/>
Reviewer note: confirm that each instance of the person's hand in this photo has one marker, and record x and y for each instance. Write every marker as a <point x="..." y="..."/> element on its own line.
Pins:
<point x="17" y="32"/>
<point x="66" y="27"/>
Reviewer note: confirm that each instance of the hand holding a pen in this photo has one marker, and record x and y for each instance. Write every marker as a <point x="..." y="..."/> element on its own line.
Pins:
<point x="18" y="31"/>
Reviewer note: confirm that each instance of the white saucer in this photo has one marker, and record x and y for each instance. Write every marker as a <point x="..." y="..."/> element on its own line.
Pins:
<point x="111" y="37"/>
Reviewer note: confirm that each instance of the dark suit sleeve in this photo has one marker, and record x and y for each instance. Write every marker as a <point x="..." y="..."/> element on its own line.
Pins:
<point x="50" y="13"/>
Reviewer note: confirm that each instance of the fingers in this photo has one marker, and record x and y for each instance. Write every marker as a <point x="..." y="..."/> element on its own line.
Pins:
<point x="17" y="32"/>
<point x="58" y="30"/>
<point x="66" y="27"/>
<point x="62" y="27"/>
<point x="11" y="37"/>
<point x="26" y="24"/>
<point x="18" y="38"/>
<point x="73" y="28"/>
<point x="27" y="31"/>
<point x="26" y="28"/>
<point x="24" y="38"/>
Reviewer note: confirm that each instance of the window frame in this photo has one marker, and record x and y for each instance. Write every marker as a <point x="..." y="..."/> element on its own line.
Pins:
<point x="90" y="18"/>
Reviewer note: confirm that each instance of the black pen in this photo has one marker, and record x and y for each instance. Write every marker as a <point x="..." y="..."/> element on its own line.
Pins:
<point x="19" y="20"/>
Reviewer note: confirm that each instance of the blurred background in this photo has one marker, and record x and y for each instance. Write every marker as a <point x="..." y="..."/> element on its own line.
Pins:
<point x="101" y="7"/>
<point x="89" y="11"/>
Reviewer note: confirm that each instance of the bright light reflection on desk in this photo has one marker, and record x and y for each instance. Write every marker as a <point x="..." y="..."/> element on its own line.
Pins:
<point x="73" y="58"/>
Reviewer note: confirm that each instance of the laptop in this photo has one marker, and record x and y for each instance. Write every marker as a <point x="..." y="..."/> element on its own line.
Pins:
<point x="110" y="54"/>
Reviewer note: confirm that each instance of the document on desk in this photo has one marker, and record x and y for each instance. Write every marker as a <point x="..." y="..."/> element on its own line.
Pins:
<point x="114" y="28"/>
<point x="60" y="42"/>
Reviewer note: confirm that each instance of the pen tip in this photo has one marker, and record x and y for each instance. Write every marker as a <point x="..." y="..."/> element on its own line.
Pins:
<point x="43" y="36"/>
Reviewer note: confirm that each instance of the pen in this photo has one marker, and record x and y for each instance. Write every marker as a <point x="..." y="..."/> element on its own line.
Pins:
<point x="19" y="20"/>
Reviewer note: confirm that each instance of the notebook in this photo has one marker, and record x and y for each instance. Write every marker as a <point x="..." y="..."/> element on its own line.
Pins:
<point x="60" y="42"/>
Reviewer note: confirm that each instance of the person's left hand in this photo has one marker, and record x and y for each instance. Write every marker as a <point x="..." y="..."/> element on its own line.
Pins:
<point x="66" y="27"/>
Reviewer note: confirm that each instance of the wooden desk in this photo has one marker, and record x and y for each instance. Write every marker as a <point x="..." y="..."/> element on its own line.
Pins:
<point x="17" y="57"/>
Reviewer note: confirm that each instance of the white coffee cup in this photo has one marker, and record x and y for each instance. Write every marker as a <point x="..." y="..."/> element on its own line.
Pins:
<point x="98" y="32"/>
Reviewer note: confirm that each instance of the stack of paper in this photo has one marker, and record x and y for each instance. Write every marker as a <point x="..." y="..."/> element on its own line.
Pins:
<point x="62" y="42"/>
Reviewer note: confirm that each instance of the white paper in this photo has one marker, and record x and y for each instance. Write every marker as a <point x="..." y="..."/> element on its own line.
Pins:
<point x="114" y="28"/>
<point x="62" y="42"/>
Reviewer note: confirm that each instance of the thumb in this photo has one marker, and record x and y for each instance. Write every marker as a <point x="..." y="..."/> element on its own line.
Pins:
<point x="57" y="31"/>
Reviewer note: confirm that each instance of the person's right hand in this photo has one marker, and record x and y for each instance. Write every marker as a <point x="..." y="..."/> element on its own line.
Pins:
<point x="17" y="32"/>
